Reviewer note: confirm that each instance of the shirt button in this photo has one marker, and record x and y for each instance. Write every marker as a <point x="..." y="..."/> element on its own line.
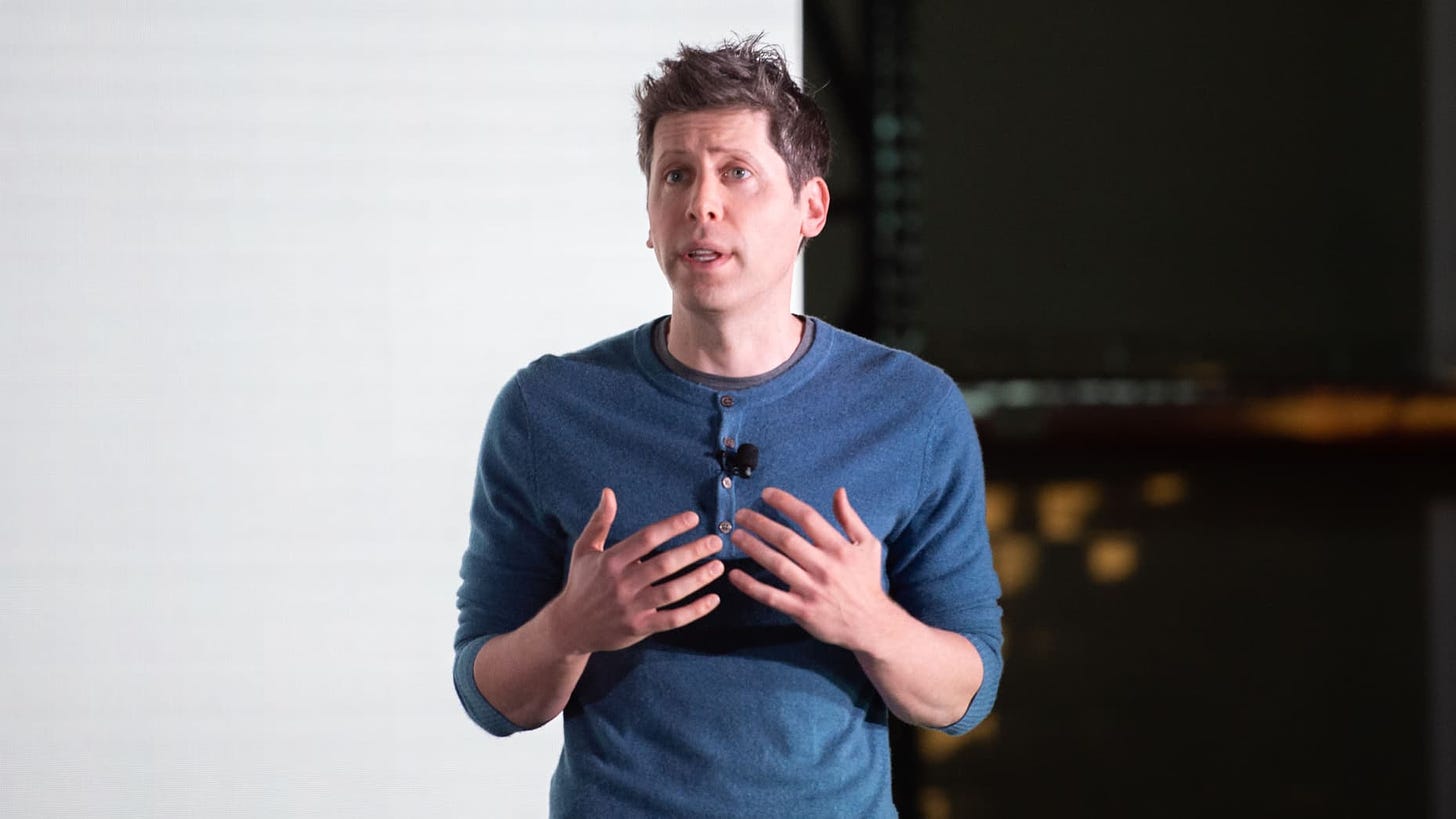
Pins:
<point x="724" y="526"/>
<point x="729" y="443"/>
<point x="726" y="400"/>
<point x="727" y="482"/>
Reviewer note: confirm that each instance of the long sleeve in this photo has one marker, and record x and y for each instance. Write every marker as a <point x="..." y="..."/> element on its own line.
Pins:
<point x="940" y="566"/>
<point x="514" y="563"/>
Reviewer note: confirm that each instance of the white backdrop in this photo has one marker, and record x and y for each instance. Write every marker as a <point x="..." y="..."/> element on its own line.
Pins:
<point x="265" y="266"/>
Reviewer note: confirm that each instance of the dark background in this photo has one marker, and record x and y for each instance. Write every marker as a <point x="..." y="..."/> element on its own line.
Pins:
<point x="1137" y="188"/>
<point x="1182" y="259"/>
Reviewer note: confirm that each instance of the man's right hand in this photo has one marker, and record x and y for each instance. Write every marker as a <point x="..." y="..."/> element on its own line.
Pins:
<point x="615" y="597"/>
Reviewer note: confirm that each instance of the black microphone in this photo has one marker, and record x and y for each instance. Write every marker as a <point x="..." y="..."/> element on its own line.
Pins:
<point x="742" y="461"/>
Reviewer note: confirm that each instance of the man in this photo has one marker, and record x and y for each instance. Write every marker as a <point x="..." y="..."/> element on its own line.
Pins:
<point x="654" y="550"/>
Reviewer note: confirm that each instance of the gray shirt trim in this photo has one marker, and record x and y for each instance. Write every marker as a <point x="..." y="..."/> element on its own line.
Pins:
<point x="723" y="382"/>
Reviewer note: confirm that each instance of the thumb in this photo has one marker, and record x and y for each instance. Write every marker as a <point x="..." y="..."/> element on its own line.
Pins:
<point x="849" y="519"/>
<point x="594" y="534"/>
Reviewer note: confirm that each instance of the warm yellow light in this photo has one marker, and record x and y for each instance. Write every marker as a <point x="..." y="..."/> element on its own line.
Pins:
<point x="1017" y="558"/>
<point x="1062" y="509"/>
<point x="1324" y="416"/>
<point x="1428" y="414"/>
<point x="988" y="731"/>
<point x="1165" y="489"/>
<point x="1000" y="506"/>
<point x="1112" y="557"/>
<point x="937" y="748"/>
<point x="934" y="803"/>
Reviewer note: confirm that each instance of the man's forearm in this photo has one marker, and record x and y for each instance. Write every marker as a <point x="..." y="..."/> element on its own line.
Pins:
<point x="927" y="676"/>
<point x="525" y="674"/>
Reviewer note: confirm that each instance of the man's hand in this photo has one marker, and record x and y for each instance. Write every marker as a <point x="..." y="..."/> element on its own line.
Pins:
<point x="614" y="597"/>
<point x="611" y="600"/>
<point x="927" y="676"/>
<point x="834" y="581"/>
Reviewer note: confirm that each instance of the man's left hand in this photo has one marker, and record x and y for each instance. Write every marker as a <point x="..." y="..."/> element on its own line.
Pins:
<point x="834" y="581"/>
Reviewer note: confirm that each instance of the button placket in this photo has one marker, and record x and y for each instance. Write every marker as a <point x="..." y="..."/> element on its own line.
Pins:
<point x="730" y="411"/>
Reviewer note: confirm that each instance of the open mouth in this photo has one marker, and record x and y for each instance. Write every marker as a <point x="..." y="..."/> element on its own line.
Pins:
<point x="702" y="255"/>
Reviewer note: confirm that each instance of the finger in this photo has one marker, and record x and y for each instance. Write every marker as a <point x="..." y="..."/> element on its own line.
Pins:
<point x="636" y="545"/>
<point x="671" y="561"/>
<point x="782" y="538"/>
<point x="666" y="594"/>
<point x="777" y="599"/>
<point x="594" y="534"/>
<point x="777" y="563"/>
<point x="682" y="615"/>
<point x="819" y="531"/>
<point x="848" y="518"/>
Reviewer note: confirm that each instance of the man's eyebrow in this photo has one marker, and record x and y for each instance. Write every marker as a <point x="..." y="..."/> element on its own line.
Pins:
<point x="712" y="150"/>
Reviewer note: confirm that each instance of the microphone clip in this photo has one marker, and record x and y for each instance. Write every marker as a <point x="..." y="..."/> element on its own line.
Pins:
<point x="740" y="462"/>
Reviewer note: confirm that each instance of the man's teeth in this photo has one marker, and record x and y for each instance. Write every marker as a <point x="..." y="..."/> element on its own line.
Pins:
<point x="703" y="255"/>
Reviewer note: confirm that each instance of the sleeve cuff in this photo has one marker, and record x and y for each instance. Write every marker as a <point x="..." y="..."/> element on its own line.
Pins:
<point x="985" y="697"/>
<point x="476" y="705"/>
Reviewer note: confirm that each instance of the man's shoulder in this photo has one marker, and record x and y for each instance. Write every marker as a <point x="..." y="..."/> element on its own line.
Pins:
<point x="611" y="357"/>
<point x="854" y="356"/>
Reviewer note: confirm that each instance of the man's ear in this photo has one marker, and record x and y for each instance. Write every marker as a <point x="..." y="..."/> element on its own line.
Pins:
<point x="815" y="195"/>
<point x="646" y="207"/>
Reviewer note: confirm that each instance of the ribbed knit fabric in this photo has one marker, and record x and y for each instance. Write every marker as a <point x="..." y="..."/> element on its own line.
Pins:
<point x="741" y="713"/>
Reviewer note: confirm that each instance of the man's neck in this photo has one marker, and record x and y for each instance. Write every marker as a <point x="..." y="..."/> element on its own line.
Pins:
<point x="734" y="349"/>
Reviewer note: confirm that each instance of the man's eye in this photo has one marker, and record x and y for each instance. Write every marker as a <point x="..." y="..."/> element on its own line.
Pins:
<point x="672" y="176"/>
<point x="739" y="173"/>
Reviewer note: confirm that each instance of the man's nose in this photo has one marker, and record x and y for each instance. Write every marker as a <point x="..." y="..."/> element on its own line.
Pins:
<point x="706" y="203"/>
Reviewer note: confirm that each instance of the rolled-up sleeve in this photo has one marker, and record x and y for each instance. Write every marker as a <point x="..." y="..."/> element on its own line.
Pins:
<point x="513" y="564"/>
<point x="940" y="566"/>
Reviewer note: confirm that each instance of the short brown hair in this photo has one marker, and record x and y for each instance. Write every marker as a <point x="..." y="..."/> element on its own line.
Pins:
<point x="738" y="73"/>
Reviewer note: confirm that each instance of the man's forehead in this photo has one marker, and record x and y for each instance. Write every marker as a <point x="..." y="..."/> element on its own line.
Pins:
<point x="714" y="130"/>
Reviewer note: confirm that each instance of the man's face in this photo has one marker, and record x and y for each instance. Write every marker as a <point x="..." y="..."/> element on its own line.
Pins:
<point x="723" y="218"/>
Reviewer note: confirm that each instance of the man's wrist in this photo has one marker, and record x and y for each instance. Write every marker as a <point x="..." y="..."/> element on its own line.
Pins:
<point x="882" y="630"/>
<point x="554" y="631"/>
